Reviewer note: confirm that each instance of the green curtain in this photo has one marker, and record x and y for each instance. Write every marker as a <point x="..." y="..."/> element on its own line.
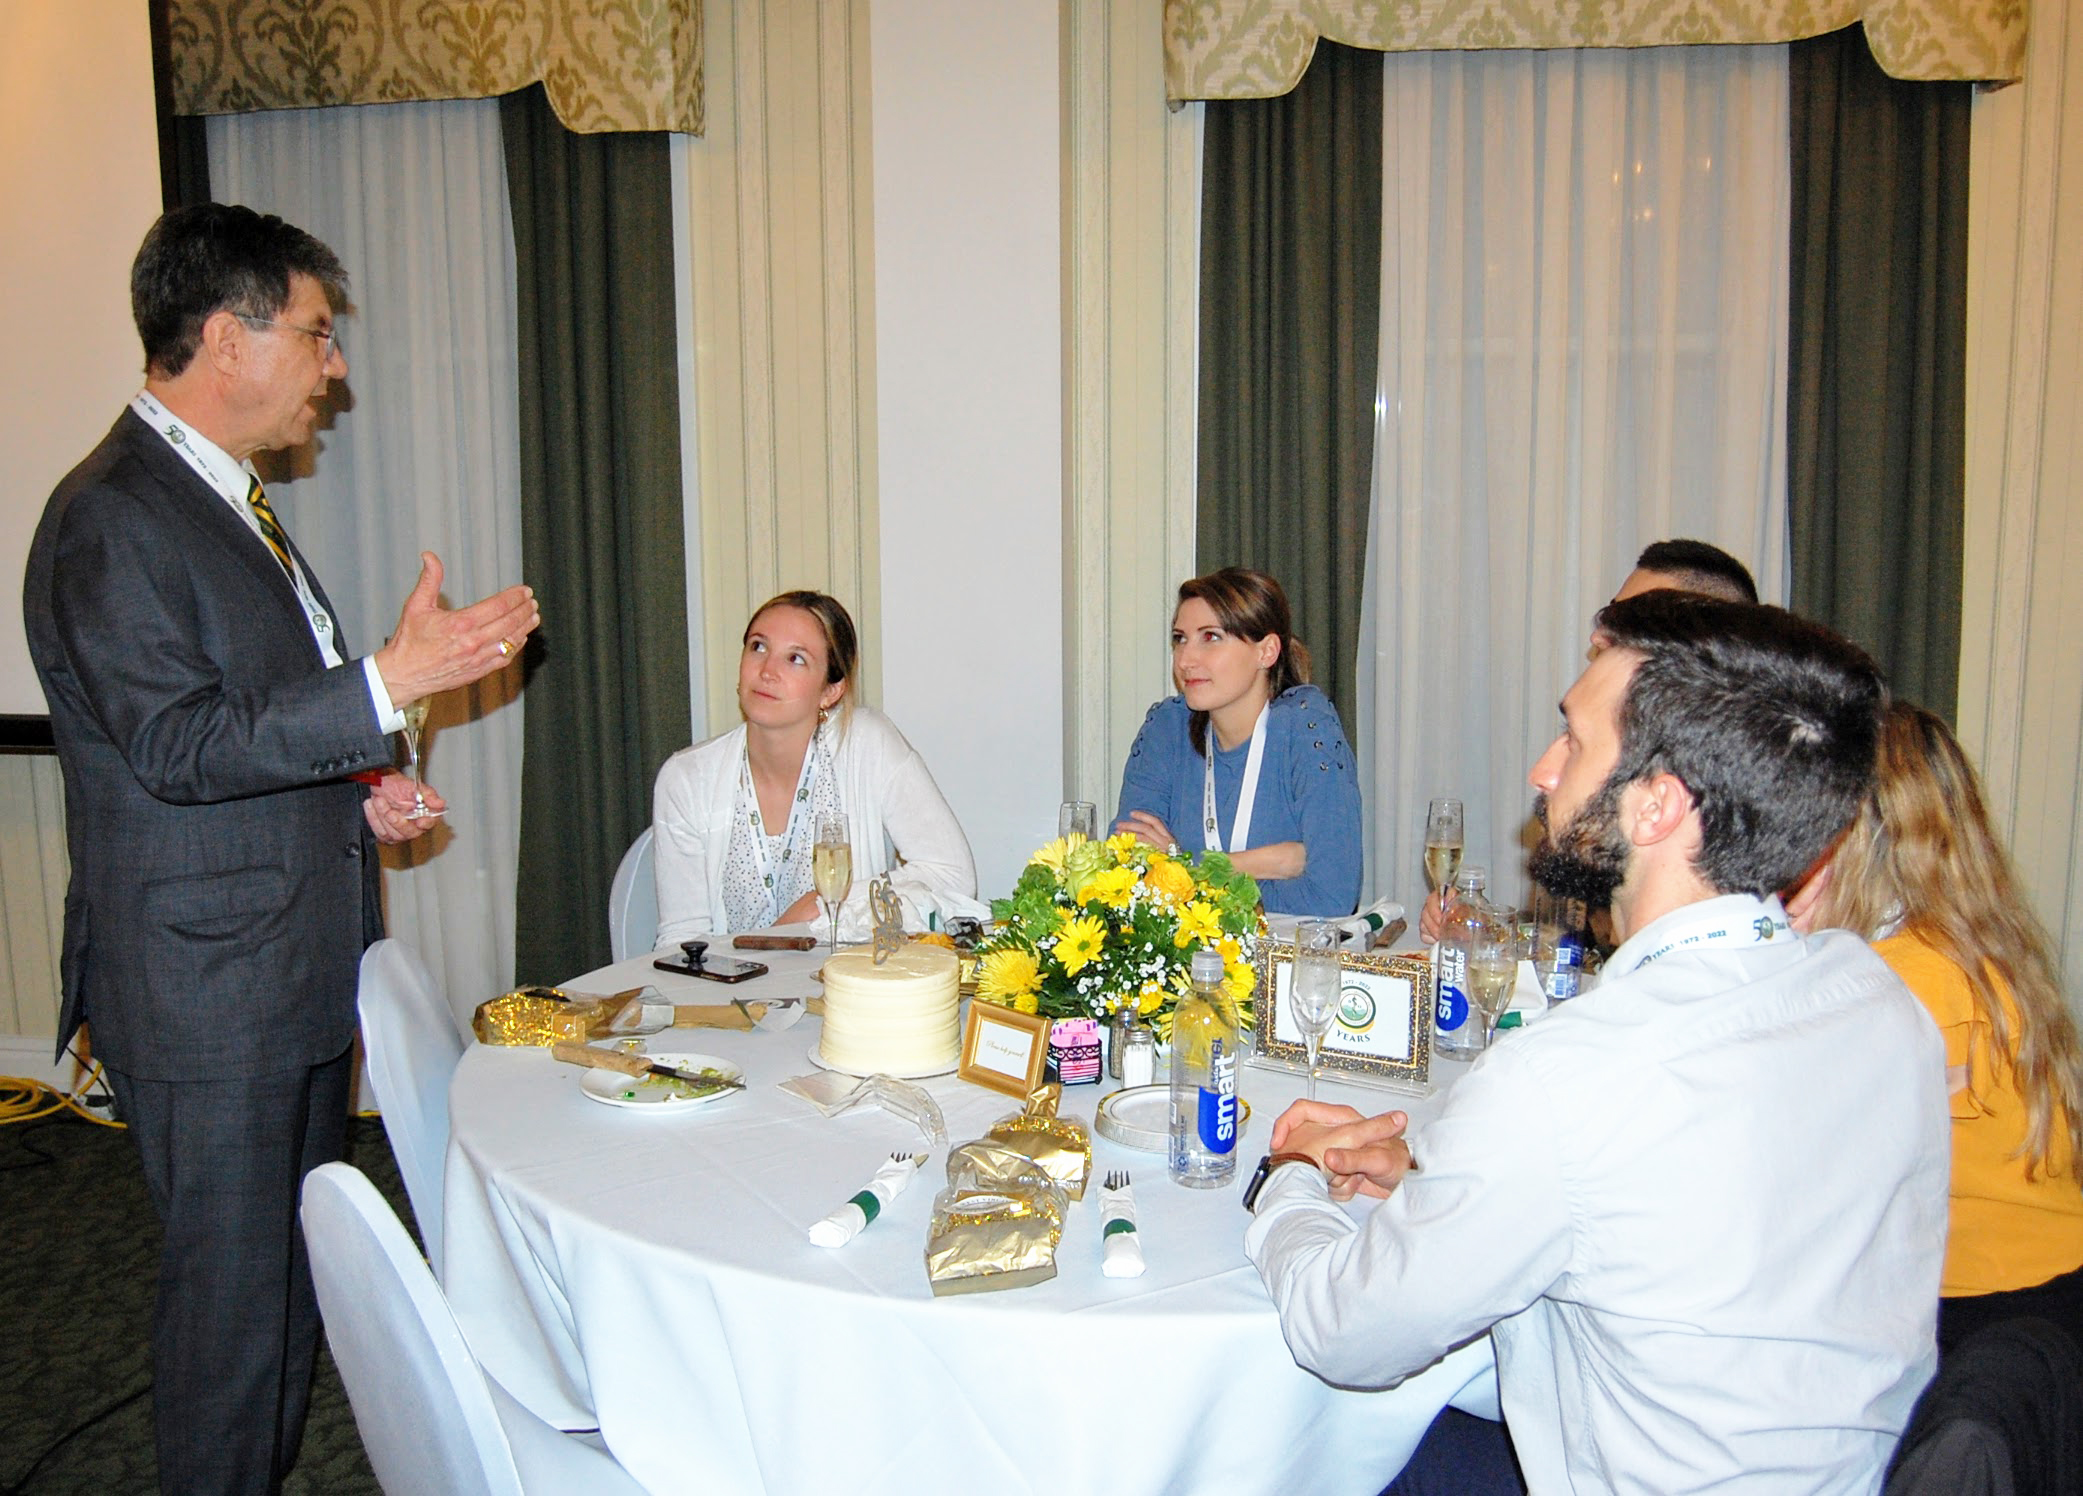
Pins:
<point x="1876" y="387"/>
<point x="601" y="542"/>
<point x="1290" y="317"/>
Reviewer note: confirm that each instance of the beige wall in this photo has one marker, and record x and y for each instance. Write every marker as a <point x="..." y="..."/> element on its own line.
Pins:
<point x="2021" y="668"/>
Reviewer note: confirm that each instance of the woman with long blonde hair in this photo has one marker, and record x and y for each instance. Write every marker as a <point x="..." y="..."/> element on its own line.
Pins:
<point x="1922" y="874"/>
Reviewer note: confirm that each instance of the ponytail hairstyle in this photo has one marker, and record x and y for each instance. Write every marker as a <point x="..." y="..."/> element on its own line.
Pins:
<point x="1250" y="606"/>
<point x="1921" y="853"/>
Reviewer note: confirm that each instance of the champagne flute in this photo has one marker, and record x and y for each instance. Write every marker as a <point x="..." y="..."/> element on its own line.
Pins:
<point x="1314" y="987"/>
<point x="1443" y="843"/>
<point x="1078" y="818"/>
<point x="1493" y="971"/>
<point x="415" y="714"/>
<point x="831" y="866"/>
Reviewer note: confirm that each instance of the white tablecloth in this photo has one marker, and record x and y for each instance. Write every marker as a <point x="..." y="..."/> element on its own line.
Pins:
<point x="651" y="1273"/>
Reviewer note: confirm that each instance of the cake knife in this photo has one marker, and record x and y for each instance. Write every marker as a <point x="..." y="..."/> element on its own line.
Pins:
<point x="628" y="1062"/>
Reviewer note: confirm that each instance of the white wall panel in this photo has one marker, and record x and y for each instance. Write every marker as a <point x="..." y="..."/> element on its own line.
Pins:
<point x="968" y="387"/>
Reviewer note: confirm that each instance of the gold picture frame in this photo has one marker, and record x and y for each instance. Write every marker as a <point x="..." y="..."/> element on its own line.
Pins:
<point x="1004" y="1049"/>
<point x="1382" y="1035"/>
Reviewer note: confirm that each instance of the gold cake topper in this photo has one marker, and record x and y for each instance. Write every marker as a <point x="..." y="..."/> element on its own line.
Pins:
<point x="887" y="911"/>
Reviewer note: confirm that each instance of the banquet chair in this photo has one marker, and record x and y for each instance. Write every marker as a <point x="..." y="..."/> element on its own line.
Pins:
<point x="431" y="1420"/>
<point x="633" y="902"/>
<point x="413" y="1051"/>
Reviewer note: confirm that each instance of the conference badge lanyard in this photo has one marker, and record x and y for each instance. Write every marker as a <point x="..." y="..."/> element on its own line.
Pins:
<point x="183" y="440"/>
<point x="1718" y="922"/>
<point x="1247" y="792"/>
<point x="804" y="779"/>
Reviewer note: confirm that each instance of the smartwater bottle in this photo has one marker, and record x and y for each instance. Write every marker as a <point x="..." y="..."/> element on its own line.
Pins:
<point x="1204" y="1079"/>
<point x="1457" y="1029"/>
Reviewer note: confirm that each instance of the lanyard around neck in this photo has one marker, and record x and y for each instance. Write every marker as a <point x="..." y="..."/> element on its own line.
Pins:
<point x="804" y="778"/>
<point x="233" y="492"/>
<point x="1247" y="792"/>
<point x="1746" y="923"/>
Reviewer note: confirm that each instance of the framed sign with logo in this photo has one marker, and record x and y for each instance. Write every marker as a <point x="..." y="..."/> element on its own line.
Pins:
<point x="1382" y="1035"/>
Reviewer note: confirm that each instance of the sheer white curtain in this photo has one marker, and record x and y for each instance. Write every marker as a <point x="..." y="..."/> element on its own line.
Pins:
<point x="1583" y="349"/>
<point x="423" y="453"/>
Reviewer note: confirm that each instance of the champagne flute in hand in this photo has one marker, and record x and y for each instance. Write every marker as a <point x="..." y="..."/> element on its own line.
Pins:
<point x="1442" y="845"/>
<point x="415" y="714"/>
<point x="831" y="866"/>
<point x="1313" y="987"/>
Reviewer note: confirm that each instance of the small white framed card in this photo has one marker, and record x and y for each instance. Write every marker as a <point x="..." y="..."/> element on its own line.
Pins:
<point x="1004" y="1049"/>
<point x="1382" y="1035"/>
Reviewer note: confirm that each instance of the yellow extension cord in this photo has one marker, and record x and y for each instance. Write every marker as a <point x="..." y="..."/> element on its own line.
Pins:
<point x="24" y="1100"/>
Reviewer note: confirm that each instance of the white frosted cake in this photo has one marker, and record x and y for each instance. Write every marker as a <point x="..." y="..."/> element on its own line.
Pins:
<point x="894" y="1019"/>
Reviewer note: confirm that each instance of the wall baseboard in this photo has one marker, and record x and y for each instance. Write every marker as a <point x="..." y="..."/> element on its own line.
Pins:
<point x="29" y="1056"/>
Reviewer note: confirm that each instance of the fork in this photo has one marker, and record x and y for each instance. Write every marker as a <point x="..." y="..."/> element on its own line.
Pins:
<point x="1117" y="1179"/>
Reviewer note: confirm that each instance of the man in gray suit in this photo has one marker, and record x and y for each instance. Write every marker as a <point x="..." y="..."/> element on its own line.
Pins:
<point x="227" y="776"/>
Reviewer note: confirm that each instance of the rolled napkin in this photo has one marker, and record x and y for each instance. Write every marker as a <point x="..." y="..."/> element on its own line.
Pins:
<point x="850" y="1219"/>
<point x="1122" y="1247"/>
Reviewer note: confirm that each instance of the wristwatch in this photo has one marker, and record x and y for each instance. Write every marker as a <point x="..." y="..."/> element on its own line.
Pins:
<point x="1264" y="1171"/>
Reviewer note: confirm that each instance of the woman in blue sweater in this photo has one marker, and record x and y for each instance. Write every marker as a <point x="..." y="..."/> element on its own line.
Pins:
<point x="1249" y="758"/>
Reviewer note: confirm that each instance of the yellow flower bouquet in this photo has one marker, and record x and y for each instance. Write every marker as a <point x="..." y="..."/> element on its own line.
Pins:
<point x="1096" y="926"/>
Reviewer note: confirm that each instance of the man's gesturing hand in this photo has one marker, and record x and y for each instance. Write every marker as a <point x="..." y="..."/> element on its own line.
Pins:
<point x="438" y="649"/>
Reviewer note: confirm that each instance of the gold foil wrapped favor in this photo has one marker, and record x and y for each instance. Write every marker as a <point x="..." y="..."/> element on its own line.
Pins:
<point x="1059" y="1146"/>
<point x="536" y="1015"/>
<point x="997" y="1223"/>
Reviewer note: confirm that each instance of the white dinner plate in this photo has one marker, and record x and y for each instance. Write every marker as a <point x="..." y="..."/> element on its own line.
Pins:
<point x="818" y="1059"/>
<point x="1141" y="1118"/>
<point x="655" y="1093"/>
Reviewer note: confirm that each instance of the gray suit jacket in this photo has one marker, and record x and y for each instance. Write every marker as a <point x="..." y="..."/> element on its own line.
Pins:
<point x="224" y="882"/>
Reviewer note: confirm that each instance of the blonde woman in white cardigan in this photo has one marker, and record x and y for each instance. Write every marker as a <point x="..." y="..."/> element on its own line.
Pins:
<point x="734" y="819"/>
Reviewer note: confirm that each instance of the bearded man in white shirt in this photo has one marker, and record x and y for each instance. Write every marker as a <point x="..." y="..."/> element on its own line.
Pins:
<point x="1701" y="1209"/>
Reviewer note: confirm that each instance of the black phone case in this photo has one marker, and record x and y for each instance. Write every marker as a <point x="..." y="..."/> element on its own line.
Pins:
<point x="746" y="971"/>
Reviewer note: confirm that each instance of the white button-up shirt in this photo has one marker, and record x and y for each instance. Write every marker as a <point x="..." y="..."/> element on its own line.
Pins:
<point x="1703" y="1207"/>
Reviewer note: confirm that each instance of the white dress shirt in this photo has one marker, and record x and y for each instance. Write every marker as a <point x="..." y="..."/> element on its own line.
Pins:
<point x="888" y="795"/>
<point x="1703" y="1207"/>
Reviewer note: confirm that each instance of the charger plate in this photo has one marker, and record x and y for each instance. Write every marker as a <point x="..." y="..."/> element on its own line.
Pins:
<point x="1140" y="1117"/>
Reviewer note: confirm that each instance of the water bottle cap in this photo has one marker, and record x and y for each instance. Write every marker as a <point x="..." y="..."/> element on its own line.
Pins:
<point x="1473" y="875"/>
<point x="1207" y="965"/>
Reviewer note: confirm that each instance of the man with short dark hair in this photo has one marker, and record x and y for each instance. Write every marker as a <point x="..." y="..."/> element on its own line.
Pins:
<point x="212" y="725"/>
<point x="1702" y="1208"/>
<point x="1689" y="566"/>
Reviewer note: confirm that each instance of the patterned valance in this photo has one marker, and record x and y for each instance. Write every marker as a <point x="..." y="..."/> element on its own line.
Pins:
<point x="606" y="64"/>
<point x="1256" y="49"/>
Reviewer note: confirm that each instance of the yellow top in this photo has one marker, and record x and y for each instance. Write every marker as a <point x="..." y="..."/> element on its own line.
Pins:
<point x="2006" y="1231"/>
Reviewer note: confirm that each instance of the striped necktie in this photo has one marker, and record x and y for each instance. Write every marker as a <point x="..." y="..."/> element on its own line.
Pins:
<point x="270" y="527"/>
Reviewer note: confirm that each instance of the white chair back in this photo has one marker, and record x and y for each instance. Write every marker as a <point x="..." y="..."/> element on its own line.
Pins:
<point x="633" y="902"/>
<point x="432" y="1422"/>
<point x="426" y="1417"/>
<point x="413" y="1050"/>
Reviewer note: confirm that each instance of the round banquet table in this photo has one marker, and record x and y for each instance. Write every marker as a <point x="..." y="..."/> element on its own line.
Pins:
<point x="650" y="1272"/>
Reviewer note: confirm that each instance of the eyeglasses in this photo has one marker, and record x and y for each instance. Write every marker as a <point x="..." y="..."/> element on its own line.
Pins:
<point x="328" y="337"/>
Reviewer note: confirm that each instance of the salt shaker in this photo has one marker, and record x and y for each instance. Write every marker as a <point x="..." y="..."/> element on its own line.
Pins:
<point x="1138" y="1055"/>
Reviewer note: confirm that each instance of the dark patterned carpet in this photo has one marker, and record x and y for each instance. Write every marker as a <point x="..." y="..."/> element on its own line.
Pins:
<point x="81" y="1254"/>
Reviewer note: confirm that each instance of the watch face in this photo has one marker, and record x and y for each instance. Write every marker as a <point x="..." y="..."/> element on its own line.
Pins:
<point x="1258" y="1180"/>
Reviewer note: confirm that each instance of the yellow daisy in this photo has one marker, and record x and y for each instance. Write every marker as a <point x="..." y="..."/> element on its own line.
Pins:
<point x="1150" y="999"/>
<point x="1028" y="1002"/>
<point x="1197" y="921"/>
<point x="1005" y="976"/>
<point x="1242" y="978"/>
<point x="1113" y="888"/>
<point x="1122" y="844"/>
<point x="1079" y="943"/>
<point x="1052" y="855"/>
